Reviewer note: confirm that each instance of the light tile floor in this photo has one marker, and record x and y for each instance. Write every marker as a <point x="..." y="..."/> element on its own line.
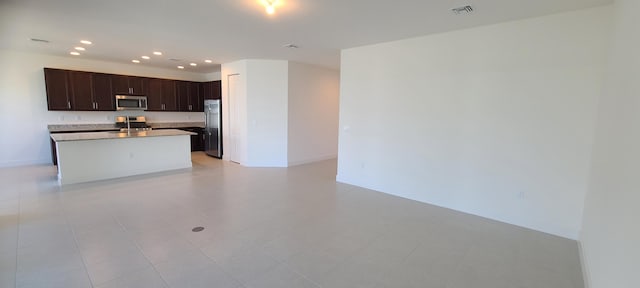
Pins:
<point x="264" y="227"/>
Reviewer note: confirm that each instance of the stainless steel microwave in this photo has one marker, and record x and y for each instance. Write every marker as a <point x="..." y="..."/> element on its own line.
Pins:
<point x="128" y="102"/>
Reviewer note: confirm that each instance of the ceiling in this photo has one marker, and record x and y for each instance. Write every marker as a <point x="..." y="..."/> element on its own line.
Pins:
<point x="229" y="30"/>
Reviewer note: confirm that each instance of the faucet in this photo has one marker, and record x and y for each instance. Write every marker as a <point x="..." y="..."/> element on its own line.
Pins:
<point x="128" y="125"/>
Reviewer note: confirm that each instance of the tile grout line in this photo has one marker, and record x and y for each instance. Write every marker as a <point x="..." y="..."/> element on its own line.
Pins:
<point x="75" y="240"/>
<point x="222" y="268"/>
<point x="141" y="252"/>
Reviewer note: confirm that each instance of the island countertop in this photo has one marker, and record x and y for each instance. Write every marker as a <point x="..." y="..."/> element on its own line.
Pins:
<point x="57" y="128"/>
<point x="61" y="137"/>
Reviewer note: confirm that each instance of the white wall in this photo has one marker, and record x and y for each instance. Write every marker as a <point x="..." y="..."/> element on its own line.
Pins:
<point x="496" y="121"/>
<point x="262" y="112"/>
<point x="611" y="233"/>
<point x="313" y="113"/>
<point x="24" y="136"/>
<point x="267" y="113"/>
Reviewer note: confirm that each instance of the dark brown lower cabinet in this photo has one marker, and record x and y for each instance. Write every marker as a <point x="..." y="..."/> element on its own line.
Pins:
<point x="197" y="141"/>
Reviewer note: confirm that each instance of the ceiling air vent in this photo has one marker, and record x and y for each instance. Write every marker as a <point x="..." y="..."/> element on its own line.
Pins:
<point x="39" y="40"/>
<point x="462" y="10"/>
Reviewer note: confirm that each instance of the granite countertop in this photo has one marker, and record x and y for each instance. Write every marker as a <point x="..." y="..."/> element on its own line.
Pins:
<point x="107" y="127"/>
<point x="60" y="137"/>
<point x="162" y="125"/>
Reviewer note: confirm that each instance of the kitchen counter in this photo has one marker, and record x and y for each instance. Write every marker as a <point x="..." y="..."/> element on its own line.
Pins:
<point x="176" y="125"/>
<point x="91" y="156"/>
<point x="55" y="128"/>
<point x="61" y="137"/>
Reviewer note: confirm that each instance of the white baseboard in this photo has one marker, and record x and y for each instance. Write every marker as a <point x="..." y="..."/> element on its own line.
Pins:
<point x="10" y="164"/>
<point x="313" y="159"/>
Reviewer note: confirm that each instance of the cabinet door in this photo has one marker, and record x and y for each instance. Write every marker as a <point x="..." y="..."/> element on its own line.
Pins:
<point x="103" y="98"/>
<point x="216" y="87"/>
<point x="195" y="97"/>
<point x="81" y="91"/>
<point x="154" y="97"/>
<point x="200" y="142"/>
<point x="182" y="90"/>
<point x="120" y="85"/>
<point x="207" y="90"/>
<point x="138" y="85"/>
<point x="169" y="97"/>
<point x="212" y="90"/>
<point x="56" y="82"/>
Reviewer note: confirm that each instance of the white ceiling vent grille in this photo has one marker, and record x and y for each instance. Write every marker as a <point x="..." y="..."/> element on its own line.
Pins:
<point x="462" y="10"/>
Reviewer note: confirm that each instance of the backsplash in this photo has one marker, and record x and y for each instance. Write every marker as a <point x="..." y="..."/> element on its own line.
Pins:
<point x="95" y="117"/>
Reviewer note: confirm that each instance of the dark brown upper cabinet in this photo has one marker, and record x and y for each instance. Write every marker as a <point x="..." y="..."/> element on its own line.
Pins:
<point x="76" y="90"/>
<point x="129" y="85"/>
<point x="81" y="90"/>
<point x="89" y="91"/>
<point x="103" y="98"/>
<point x="57" y="86"/>
<point x="212" y="90"/>
<point x="162" y="95"/>
<point x="189" y="99"/>
<point x="195" y="97"/>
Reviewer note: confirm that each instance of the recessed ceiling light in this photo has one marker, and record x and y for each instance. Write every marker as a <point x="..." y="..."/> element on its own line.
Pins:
<point x="145" y="57"/>
<point x="157" y="53"/>
<point x="74" y="53"/>
<point x="193" y="64"/>
<point x="87" y="42"/>
<point x="270" y="5"/>
<point x="135" y="61"/>
<point x="208" y="61"/>
<point x="79" y="48"/>
<point x="180" y="67"/>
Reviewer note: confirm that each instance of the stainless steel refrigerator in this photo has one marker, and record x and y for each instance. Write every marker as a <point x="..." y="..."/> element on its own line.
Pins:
<point x="212" y="133"/>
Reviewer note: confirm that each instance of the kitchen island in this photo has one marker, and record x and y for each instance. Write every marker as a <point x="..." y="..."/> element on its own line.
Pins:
<point x="91" y="156"/>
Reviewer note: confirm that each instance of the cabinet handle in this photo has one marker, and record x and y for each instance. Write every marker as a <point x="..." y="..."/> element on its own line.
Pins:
<point x="97" y="106"/>
<point x="162" y="106"/>
<point x="189" y="107"/>
<point x="69" y="105"/>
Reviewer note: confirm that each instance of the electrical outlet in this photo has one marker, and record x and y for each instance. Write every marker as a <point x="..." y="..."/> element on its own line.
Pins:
<point x="520" y="195"/>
